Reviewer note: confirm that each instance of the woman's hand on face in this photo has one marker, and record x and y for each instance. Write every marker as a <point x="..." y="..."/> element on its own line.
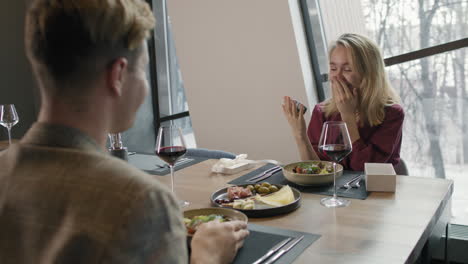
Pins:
<point x="345" y="96"/>
<point x="295" y="118"/>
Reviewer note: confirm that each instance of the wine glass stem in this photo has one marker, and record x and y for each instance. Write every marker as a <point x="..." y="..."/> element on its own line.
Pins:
<point x="171" y="167"/>
<point x="334" y="180"/>
<point x="9" y="135"/>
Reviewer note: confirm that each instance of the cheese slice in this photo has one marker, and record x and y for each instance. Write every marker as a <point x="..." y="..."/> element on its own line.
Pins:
<point x="282" y="197"/>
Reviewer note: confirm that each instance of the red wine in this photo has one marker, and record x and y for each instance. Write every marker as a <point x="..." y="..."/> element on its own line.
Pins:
<point x="171" y="154"/>
<point x="335" y="152"/>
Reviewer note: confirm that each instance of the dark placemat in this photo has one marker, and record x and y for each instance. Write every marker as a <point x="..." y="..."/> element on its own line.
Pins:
<point x="278" y="178"/>
<point x="263" y="238"/>
<point x="150" y="163"/>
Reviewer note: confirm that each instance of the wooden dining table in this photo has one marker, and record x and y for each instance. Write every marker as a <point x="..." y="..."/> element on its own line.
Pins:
<point x="4" y="143"/>
<point x="395" y="227"/>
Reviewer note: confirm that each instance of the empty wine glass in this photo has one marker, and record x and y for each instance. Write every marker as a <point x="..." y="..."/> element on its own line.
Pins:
<point x="170" y="146"/>
<point x="8" y="118"/>
<point x="335" y="144"/>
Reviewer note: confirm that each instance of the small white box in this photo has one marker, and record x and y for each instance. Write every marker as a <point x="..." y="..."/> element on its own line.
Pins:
<point x="380" y="177"/>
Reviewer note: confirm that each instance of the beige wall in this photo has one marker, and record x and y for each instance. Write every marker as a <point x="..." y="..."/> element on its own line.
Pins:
<point x="238" y="59"/>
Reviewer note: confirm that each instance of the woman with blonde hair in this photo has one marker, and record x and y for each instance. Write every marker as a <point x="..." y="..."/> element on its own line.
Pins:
<point x="363" y="98"/>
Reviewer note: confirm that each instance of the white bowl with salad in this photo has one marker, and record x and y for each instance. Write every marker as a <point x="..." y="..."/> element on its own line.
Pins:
<point x="195" y="217"/>
<point x="311" y="172"/>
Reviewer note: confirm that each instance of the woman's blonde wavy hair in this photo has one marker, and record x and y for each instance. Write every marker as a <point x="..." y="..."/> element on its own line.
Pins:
<point x="375" y="90"/>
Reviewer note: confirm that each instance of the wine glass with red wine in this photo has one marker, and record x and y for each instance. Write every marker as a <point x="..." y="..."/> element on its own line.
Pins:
<point x="335" y="144"/>
<point x="170" y="146"/>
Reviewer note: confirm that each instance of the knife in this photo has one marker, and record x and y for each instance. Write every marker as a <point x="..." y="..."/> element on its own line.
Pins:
<point x="284" y="250"/>
<point x="272" y="250"/>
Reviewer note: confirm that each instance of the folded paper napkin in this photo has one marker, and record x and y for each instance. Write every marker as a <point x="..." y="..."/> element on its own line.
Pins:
<point x="240" y="163"/>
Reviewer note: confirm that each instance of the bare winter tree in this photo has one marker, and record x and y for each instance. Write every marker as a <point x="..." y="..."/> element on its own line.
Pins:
<point x="426" y="13"/>
<point x="461" y="75"/>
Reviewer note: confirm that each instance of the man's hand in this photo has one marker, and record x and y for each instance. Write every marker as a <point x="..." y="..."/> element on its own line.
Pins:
<point x="217" y="243"/>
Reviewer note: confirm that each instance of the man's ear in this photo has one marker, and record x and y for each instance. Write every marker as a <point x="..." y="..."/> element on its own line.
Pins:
<point x="115" y="75"/>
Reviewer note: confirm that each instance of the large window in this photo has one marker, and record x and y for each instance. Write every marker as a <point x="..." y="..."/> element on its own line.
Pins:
<point x="433" y="89"/>
<point x="401" y="26"/>
<point x="166" y="103"/>
<point x="170" y="102"/>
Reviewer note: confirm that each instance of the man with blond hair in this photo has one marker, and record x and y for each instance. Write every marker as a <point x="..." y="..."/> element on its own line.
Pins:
<point x="62" y="198"/>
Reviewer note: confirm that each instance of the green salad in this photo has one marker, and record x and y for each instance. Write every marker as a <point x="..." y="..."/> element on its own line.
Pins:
<point x="313" y="168"/>
<point x="192" y="223"/>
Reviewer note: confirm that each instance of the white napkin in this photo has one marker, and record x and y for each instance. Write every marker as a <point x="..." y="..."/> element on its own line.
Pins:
<point x="240" y="163"/>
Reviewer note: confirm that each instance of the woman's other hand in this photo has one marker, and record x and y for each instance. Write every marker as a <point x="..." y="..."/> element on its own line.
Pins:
<point x="295" y="118"/>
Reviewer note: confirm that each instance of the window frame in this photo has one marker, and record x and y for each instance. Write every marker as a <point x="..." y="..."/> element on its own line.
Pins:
<point x="159" y="65"/>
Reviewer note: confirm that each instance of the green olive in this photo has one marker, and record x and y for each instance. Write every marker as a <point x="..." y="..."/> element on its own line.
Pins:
<point x="257" y="186"/>
<point x="263" y="190"/>
<point x="251" y="188"/>
<point x="266" y="184"/>
<point x="273" y="188"/>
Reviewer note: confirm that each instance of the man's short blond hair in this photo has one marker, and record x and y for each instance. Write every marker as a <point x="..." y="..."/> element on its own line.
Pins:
<point x="67" y="38"/>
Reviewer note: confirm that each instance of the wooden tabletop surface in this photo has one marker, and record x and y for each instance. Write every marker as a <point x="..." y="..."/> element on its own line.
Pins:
<point x="3" y="144"/>
<point x="384" y="228"/>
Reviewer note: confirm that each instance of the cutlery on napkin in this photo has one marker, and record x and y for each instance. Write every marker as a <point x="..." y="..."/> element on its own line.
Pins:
<point x="266" y="174"/>
<point x="280" y="249"/>
<point x="284" y="250"/>
<point x="272" y="251"/>
<point x="350" y="183"/>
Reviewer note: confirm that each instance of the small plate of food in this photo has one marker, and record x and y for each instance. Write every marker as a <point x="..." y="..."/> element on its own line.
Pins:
<point x="312" y="172"/>
<point x="258" y="200"/>
<point x="195" y="217"/>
